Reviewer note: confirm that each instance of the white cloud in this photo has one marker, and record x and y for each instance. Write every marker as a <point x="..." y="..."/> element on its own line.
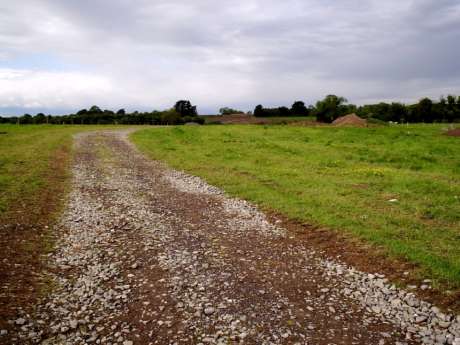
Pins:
<point x="41" y="89"/>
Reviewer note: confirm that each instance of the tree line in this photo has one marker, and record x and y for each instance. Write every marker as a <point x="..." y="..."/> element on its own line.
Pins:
<point x="447" y="109"/>
<point x="182" y="112"/>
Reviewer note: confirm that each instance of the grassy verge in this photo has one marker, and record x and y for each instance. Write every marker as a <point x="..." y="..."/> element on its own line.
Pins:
<point x="395" y="187"/>
<point x="34" y="175"/>
<point x="26" y="153"/>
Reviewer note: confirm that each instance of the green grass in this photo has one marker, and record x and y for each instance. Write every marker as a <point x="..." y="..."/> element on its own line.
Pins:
<point x="26" y="154"/>
<point x="341" y="178"/>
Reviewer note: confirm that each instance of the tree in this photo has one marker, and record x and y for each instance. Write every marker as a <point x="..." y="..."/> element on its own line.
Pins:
<point x="451" y="100"/>
<point x="171" y="117"/>
<point x="95" y="110"/>
<point x="185" y="108"/>
<point x="330" y="108"/>
<point x="398" y="112"/>
<point x="26" y="119"/>
<point x="284" y="111"/>
<point x="121" y="112"/>
<point x="107" y="117"/>
<point x="259" y="111"/>
<point x="452" y="108"/>
<point x="40" y="118"/>
<point x="381" y="111"/>
<point x="425" y="110"/>
<point x="298" y="108"/>
<point x="440" y="110"/>
<point x="228" y="111"/>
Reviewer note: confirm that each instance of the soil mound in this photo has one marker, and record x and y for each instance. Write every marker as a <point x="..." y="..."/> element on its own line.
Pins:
<point x="350" y="120"/>
<point x="454" y="132"/>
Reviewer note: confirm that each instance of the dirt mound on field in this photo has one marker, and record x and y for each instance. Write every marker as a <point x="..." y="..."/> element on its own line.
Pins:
<point x="350" y="120"/>
<point x="454" y="132"/>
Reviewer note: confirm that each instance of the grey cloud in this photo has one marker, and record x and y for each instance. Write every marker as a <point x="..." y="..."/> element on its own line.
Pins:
<point x="239" y="53"/>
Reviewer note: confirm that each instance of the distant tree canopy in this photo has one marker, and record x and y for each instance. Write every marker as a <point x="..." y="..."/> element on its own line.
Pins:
<point x="332" y="107"/>
<point x="298" y="108"/>
<point x="259" y="110"/>
<point x="447" y="109"/>
<point x="185" y="108"/>
<point x="228" y="111"/>
<point x="40" y="118"/>
<point x="96" y="115"/>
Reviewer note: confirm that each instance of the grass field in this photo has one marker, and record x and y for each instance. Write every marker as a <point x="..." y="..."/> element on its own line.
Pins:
<point x="395" y="187"/>
<point x="25" y="158"/>
<point x="27" y="155"/>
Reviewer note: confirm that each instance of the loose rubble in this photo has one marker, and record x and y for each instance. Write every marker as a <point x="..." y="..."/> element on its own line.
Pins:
<point x="419" y="319"/>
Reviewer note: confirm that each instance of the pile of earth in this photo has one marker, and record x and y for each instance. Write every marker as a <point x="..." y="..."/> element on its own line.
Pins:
<point x="454" y="132"/>
<point x="350" y="120"/>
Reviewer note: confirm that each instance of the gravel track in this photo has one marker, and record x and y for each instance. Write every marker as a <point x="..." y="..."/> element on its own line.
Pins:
<point x="149" y="255"/>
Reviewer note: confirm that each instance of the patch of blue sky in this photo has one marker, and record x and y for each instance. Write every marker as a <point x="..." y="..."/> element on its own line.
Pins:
<point x="39" y="61"/>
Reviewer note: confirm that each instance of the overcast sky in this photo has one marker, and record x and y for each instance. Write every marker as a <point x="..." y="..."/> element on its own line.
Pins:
<point x="64" y="55"/>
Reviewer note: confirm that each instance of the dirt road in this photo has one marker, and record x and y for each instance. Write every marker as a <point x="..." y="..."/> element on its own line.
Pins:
<point x="149" y="255"/>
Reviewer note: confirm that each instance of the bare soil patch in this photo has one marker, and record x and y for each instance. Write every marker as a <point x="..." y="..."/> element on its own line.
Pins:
<point x="243" y="119"/>
<point x="350" y="120"/>
<point x="453" y="132"/>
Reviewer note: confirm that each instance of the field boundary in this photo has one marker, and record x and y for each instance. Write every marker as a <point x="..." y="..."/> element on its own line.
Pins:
<point x="27" y="236"/>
